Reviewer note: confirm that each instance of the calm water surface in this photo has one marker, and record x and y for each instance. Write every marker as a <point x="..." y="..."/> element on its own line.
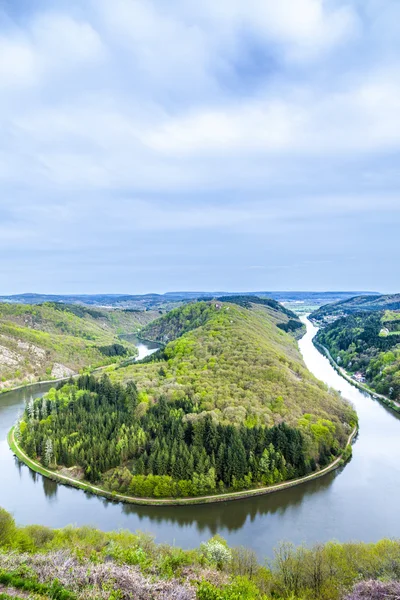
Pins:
<point x="358" y="502"/>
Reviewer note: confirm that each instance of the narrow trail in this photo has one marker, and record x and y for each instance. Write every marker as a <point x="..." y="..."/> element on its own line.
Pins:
<point x="35" y="466"/>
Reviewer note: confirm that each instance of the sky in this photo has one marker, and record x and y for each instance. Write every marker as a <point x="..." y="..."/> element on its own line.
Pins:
<point x="152" y="146"/>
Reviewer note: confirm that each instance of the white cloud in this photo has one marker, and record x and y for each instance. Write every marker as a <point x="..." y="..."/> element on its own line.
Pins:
<point x="52" y="42"/>
<point x="18" y="62"/>
<point x="131" y="95"/>
<point x="61" y="41"/>
<point x="363" y="118"/>
<point x="304" y="28"/>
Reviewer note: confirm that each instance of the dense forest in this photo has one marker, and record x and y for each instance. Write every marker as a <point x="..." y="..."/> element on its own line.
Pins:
<point x="87" y="564"/>
<point x="174" y="441"/>
<point x="238" y="365"/>
<point x="168" y="451"/>
<point x="54" y="340"/>
<point x="368" y="343"/>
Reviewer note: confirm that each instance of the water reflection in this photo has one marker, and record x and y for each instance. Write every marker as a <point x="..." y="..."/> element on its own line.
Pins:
<point x="233" y="515"/>
<point x="50" y="488"/>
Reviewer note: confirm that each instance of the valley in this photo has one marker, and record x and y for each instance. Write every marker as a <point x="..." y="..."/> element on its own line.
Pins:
<point x="52" y="341"/>
<point x="225" y="405"/>
<point x="365" y="342"/>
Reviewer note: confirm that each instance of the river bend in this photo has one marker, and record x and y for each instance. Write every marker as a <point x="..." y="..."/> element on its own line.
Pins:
<point x="357" y="502"/>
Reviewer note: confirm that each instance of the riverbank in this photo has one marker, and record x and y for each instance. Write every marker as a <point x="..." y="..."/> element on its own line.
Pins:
<point x="88" y="370"/>
<point x="34" y="383"/>
<point x="395" y="406"/>
<point x="91" y="489"/>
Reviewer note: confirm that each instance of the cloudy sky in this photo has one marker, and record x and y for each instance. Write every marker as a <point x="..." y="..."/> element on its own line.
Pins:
<point x="237" y="145"/>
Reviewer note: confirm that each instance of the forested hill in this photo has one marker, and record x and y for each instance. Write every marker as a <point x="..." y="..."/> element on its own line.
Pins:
<point x="226" y="405"/>
<point x="236" y="363"/>
<point x="53" y="340"/>
<point x="330" y="312"/>
<point x="184" y="319"/>
<point x="367" y="344"/>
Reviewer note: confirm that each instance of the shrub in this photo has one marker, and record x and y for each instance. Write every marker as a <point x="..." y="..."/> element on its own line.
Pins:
<point x="7" y="528"/>
<point x="216" y="552"/>
<point x="240" y="589"/>
<point x="375" y="590"/>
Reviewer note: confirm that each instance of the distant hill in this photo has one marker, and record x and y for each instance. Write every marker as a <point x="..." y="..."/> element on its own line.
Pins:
<point x="369" y="303"/>
<point x="173" y="299"/>
<point x="39" y="342"/>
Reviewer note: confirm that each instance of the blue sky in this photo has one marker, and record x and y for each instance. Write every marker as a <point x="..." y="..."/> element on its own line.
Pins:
<point x="155" y="146"/>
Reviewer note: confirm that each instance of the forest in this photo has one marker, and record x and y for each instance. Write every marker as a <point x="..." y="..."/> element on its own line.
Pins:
<point x="238" y="365"/>
<point x="367" y="343"/>
<point x="88" y="564"/>
<point x="164" y="452"/>
<point x="230" y="406"/>
<point x="226" y="405"/>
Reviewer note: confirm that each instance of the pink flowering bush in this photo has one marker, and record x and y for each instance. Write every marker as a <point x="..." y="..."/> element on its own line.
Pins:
<point x="375" y="590"/>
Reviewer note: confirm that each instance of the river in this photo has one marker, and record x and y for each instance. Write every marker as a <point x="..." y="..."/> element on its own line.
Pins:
<point x="357" y="502"/>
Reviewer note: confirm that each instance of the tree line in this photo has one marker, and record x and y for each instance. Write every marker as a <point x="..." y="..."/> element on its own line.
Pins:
<point x="164" y="449"/>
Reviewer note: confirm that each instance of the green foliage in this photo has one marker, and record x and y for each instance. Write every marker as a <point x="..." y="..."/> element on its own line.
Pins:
<point x="114" y="350"/>
<point x="36" y="338"/>
<point x="240" y="589"/>
<point x="217" y="552"/>
<point x="291" y="325"/>
<point x="53" y="590"/>
<point x="248" y="301"/>
<point x="167" y="451"/>
<point x="236" y="364"/>
<point x="356" y="304"/>
<point x="215" y="571"/>
<point x="356" y="343"/>
<point x="178" y="322"/>
<point x="234" y="408"/>
<point x="7" y="528"/>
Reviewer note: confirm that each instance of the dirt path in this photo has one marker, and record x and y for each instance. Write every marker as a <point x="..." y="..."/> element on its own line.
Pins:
<point x="170" y="501"/>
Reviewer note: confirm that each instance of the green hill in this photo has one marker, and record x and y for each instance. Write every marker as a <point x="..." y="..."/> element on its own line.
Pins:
<point x="330" y="312"/>
<point x="54" y="340"/>
<point x="367" y="345"/>
<point x="236" y="363"/>
<point x="227" y="404"/>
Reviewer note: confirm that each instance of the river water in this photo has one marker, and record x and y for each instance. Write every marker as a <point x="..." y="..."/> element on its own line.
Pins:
<point x="357" y="502"/>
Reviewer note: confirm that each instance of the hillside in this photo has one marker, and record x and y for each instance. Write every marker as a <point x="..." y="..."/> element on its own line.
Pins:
<point x="237" y="363"/>
<point x="55" y="340"/>
<point x="367" y="345"/>
<point x="227" y="404"/>
<point x="37" y="562"/>
<point x="330" y="312"/>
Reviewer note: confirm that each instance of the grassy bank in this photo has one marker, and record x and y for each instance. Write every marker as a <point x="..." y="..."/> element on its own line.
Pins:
<point x="62" y="479"/>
